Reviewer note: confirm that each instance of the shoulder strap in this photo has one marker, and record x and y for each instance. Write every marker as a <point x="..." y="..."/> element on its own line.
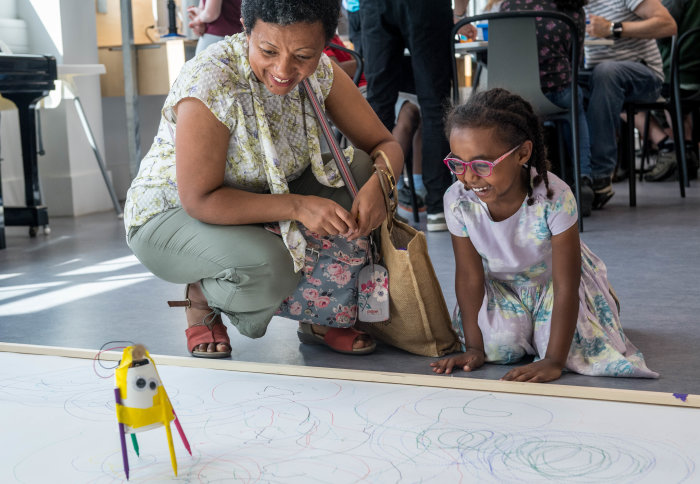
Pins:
<point x="338" y="155"/>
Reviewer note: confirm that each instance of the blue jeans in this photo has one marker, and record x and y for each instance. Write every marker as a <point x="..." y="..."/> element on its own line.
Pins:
<point x="563" y="100"/>
<point x="613" y="83"/>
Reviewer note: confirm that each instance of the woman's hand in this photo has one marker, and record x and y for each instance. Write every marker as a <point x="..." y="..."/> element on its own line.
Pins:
<point x="368" y="208"/>
<point x="198" y="28"/>
<point x="469" y="360"/>
<point x="195" y="23"/>
<point x="538" y="372"/>
<point x="193" y="11"/>
<point x="325" y="217"/>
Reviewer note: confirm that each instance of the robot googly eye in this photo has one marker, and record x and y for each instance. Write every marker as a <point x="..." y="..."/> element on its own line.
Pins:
<point x="152" y="384"/>
<point x="140" y="383"/>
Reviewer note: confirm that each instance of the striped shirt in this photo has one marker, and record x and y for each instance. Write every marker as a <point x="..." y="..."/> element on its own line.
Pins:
<point x="624" y="49"/>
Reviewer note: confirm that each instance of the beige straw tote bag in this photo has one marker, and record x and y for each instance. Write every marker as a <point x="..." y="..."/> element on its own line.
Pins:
<point x="420" y="322"/>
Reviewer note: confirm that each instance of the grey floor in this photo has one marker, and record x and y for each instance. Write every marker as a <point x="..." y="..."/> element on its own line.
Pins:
<point x="80" y="287"/>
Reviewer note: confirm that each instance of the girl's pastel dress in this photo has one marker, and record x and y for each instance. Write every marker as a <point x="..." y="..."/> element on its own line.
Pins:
<point x="516" y="312"/>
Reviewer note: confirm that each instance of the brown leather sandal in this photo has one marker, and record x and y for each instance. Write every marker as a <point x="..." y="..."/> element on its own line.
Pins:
<point x="210" y="329"/>
<point x="337" y="339"/>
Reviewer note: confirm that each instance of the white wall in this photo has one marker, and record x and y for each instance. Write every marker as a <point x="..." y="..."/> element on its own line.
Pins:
<point x="71" y="181"/>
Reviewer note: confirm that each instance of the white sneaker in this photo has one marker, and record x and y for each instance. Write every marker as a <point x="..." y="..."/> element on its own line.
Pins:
<point x="436" y="222"/>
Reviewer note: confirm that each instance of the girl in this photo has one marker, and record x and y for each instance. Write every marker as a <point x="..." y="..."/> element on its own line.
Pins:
<point x="525" y="283"/>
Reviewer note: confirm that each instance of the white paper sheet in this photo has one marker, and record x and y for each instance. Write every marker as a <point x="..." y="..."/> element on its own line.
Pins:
<point x="58" y="425"/>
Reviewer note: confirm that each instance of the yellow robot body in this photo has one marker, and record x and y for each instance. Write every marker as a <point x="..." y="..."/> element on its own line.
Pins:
<point x="145" y="404"/>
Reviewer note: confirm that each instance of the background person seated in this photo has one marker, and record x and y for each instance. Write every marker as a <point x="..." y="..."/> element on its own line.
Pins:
<point x="629" y="70"/>
<point x="686" y="13"/>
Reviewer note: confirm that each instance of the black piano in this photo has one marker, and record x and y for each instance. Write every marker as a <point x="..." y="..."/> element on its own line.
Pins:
<point x="24" y="80"/>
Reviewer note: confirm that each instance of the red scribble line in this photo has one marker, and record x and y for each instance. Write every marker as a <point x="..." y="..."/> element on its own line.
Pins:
<point x="97" y="357"/>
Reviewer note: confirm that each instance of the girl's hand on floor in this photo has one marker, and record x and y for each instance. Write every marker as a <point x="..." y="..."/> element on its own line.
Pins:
<point x="538" y="372"/>
<point x="467" y="361"/>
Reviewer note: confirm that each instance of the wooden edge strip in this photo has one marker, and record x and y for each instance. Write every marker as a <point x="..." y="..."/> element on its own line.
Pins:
<point x="543" y="389"/>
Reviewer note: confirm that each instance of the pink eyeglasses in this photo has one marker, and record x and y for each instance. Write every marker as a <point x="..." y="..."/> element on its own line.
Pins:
<point x="481" y="168"/>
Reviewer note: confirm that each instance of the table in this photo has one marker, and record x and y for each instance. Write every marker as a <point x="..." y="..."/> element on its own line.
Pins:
<point x="479" y="47"/>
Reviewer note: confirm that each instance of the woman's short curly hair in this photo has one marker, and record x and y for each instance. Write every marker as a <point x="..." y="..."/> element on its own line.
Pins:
<point x="286" y="12"/>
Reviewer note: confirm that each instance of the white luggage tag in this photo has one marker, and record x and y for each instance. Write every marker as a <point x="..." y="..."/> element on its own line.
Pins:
<point x="373" y="294"/>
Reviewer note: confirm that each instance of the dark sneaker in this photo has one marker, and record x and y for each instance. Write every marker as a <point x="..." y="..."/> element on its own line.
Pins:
<point x="436" y="222"/>
<point x="691" y="160"/>
<point x="620" y="174"/>
<point x="405" y="200"/>
<point x="664" y="169"/>
<point x="602" y="191"/>
<point x="586" y="195"/>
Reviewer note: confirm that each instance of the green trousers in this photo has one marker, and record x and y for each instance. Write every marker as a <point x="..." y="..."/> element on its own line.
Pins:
<point x="245" y="270"/>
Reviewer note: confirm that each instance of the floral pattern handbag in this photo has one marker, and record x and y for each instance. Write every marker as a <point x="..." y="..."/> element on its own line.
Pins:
<point x="328" y="292"/>
<point x="340" y="279"/>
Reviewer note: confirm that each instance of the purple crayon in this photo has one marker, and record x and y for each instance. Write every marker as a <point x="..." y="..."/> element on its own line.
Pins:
<point x="122" y="435"/>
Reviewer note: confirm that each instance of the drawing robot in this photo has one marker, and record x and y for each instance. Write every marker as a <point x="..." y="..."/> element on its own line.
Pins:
<point x="142" y="403"/>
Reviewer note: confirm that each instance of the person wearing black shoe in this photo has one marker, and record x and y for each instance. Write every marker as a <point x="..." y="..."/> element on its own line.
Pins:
<point x="389" y="26"/>
<point x="630" y="69"/>
<point x="686" y="13"/>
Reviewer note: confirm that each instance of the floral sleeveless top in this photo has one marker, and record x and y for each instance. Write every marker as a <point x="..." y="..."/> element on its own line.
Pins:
<point x="273" y="138"/>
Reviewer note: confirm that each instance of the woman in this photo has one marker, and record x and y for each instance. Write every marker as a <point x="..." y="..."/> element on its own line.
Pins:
<point x="213" y="20"/>
<point x="238" y="146"/>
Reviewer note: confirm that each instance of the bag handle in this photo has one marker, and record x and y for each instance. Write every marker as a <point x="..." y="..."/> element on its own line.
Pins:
<point x="338" y="155"/>
<point x="388" y="183"/>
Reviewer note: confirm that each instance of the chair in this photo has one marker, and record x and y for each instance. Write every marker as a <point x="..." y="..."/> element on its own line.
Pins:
<point x="674" y="104"/>
<point x="513" y="64"/>
<point x="358" y="59"/>
<point x="684" y="100"/>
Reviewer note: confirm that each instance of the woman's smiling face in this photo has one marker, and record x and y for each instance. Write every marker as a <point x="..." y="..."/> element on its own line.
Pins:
<point x="281" y="56"/>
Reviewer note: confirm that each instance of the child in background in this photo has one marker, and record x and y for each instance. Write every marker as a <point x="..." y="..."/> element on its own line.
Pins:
<point x="408" y="132"/>
<point x="407" y="128"/>
<point x="345" y="60"/>
<point x="525" y="283"/>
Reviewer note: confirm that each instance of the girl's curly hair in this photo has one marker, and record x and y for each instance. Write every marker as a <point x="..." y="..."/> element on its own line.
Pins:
<point x="515" y="122"/>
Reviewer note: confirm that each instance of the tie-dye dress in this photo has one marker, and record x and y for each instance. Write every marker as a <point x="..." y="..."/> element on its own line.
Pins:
<point x="516" y="312"/>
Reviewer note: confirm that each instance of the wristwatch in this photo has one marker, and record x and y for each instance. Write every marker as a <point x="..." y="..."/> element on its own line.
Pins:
<point x="616" y="30"/>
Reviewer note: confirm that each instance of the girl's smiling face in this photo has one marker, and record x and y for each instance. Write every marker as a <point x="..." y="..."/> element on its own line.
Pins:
<point x="506" y="185"/>
<point x="281" y="56"/>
